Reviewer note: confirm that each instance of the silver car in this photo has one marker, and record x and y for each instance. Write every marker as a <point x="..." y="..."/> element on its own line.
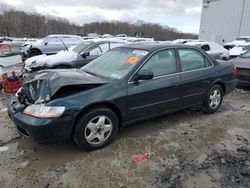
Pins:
<point x="49" y="45"/>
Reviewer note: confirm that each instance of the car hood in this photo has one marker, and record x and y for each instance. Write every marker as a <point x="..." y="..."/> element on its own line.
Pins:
<point x="241" y="62"/>
<point x="236" y="51"/>
<point x="41" y="86"/>
<point x="41" y="60"/>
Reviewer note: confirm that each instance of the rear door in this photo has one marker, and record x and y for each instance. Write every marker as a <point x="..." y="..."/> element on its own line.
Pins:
<point x="162" y="93"/>
<point x="196" y="74"/>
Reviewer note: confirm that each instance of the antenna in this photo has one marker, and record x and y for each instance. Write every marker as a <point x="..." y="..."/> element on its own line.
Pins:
<point x="63" y="44"/>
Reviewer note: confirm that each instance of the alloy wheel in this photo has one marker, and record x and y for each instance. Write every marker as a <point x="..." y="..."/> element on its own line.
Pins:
<point x="98" y="130"/>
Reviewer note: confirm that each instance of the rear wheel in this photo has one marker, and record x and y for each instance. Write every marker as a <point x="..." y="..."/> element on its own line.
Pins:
<point x="34" y="52"/>
<point x="96" y="129"/>
<point x="213" y="100"/>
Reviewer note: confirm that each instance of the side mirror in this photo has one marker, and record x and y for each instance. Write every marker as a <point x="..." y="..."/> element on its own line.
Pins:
<point x="144" y="75"/>
<point x="85" y="54"/>
<point x="46" y="43"/>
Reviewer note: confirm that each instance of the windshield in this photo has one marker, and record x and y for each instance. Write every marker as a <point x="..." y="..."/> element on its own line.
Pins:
<point x="80" y="47"/>
<point x="246" y="54"/>
<point x="116" y="63"/>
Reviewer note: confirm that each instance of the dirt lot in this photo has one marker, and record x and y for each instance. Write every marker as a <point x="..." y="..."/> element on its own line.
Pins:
<point x="187" y="149"/>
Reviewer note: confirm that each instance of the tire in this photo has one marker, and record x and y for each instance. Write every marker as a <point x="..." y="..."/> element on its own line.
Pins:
<point x="213" y="99"/>
<point x="34" y="53"/>
<point x="102" y="123"/>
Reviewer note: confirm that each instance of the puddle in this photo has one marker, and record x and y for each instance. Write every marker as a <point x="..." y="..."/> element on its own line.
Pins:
<point x="202" y="180"/>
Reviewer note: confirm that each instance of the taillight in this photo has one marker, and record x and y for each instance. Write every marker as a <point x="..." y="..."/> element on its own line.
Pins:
<point x="235" y="72"/>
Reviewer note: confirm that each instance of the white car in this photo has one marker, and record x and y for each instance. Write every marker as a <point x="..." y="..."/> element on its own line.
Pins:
<point x="184" y="41"/>
<point x="239" y="41"/>
<point x="213" y="49"/>
<point x="239" y="49"/>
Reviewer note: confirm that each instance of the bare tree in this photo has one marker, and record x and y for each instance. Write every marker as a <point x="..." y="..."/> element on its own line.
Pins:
<point x="16" y="23"/>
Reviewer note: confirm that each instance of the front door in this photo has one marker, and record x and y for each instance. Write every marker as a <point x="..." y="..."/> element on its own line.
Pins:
<point x="161" y="94"/>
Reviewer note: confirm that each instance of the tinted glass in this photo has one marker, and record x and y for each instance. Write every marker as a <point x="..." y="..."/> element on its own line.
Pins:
<point x="95" y="51"/>
<point x="191" y="59"/>
<point x="81" y="47"/>
<point x="162" y="63"/>
<point x="205" y="47"/>
<point x="104" y="47"/>
<point x="246" y="54"/>
<point x="116" y="63"/>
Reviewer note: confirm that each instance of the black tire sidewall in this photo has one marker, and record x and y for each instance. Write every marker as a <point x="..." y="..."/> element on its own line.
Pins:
<point x="34" y="53"/>
<point x="206" y="107"/>
<point x="82" y="122"/>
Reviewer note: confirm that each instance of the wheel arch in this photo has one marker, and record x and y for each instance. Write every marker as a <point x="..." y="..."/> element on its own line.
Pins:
<point x="35" y="49"/>
<point x="220" y="83"/>
<point x="109" y="105"/>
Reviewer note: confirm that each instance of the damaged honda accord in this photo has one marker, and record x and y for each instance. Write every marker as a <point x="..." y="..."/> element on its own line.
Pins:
<point x="125" y="85"/>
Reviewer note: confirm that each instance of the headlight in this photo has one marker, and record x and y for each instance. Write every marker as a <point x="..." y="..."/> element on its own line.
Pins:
<point x="42" y="111"/>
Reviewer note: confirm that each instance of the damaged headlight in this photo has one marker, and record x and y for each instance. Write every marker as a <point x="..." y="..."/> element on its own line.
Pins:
<point x="42" y="111"/>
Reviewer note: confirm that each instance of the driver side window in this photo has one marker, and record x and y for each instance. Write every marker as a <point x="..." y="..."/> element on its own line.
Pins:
<point x="162" y="63"/>
<point x="95" y="51"/>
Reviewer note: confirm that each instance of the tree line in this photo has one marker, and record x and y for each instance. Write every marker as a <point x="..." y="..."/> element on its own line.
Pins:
<point x="15" y="23"/>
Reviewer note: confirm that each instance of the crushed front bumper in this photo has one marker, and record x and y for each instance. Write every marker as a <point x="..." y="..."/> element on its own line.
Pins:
<point x="37" y="129"/>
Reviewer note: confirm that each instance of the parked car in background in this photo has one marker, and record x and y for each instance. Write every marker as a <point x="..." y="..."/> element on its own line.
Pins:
<point x="127" y="84"/>
<point x="184" y="41"/>
<point x="139" y="40"/>
<point x="238" y="50"/>
<point x="75" y="57"/>
<point x="5" y="39"/>
<point x="107" y="36"/>
<point x="239" y="41"/>
<point x="213" y="49"/>
<point x="242" y="69"/>
<point x="49" y="45"/>
<point x="122" y="35"/>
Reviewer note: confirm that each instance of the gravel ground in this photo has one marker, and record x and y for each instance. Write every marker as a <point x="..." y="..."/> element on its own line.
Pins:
<point x="186" y="149"/>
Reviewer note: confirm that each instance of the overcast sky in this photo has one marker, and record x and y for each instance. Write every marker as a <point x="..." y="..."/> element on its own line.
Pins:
<point x="181" y="14"/>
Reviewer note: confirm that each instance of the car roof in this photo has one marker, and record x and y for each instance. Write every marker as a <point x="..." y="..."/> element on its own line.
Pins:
<point x="155" y="46"/>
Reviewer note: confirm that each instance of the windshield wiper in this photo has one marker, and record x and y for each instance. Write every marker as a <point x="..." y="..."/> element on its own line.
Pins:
<point x="97" y="75"/>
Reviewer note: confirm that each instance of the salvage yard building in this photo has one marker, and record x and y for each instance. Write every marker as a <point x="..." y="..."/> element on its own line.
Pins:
<point x="224" y="20"/>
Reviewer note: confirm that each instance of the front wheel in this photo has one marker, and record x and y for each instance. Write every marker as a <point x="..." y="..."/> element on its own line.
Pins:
<point x="213" y="99"/>
<point x="34" y="52"/>
<point x="96" y="129"/>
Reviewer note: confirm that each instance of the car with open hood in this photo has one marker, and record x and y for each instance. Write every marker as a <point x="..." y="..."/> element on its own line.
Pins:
<point x="242" y="70"/>
<point x="74" y="57"/>
<point x="127" y="84"/>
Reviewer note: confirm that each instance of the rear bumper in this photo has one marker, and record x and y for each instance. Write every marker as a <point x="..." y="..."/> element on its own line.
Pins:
<point x="243" y="84"/>
<point x="40" y="130"/>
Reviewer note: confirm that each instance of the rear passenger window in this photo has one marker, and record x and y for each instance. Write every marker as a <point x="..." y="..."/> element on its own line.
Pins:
<point x="205" y="48"/>
<point x="192" y="60"/>
<point x="162" y="63"/>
